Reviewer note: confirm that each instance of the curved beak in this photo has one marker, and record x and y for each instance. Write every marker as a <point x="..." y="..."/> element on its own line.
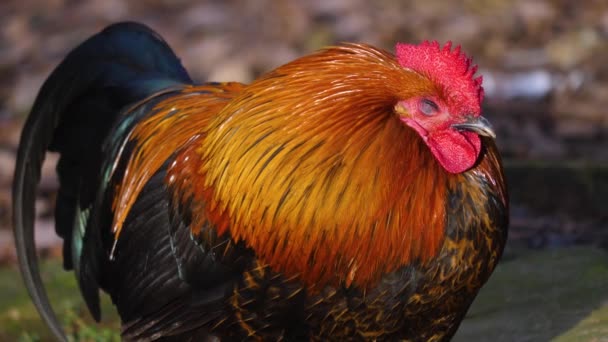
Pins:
<point x="479" y="125"/>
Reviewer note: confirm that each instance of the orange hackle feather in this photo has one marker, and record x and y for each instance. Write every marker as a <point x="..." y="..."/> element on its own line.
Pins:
<point x="310" y="167"/>
<point x="174" y="122"/>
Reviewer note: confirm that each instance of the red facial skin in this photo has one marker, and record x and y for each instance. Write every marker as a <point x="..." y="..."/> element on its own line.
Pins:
<point x="457" y="151"/>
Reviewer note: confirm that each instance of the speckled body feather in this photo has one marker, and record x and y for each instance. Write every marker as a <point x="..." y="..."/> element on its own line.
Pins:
<point x="299" y="207"/>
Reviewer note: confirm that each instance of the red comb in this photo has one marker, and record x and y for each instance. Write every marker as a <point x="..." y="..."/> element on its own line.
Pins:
<point x="450" y="68"/>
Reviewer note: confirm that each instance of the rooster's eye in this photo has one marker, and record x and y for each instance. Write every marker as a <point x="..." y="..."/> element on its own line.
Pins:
<point x="428" y="107"/>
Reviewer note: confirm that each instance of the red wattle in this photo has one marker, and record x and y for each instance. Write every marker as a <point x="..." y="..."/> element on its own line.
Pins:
<point x="456" y="151"/>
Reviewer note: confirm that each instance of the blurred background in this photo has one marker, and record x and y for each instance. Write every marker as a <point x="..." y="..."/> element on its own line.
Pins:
<point x="545" y="70"/>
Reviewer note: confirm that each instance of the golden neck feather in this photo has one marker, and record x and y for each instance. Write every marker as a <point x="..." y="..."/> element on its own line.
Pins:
<point x="310" y="166"/>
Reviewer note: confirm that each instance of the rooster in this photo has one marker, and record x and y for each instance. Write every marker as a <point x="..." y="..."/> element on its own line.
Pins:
<point x="351" y="194"/>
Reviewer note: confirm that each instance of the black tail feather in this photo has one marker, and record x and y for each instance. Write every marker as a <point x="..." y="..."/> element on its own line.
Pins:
<point x="74" y="111"/>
